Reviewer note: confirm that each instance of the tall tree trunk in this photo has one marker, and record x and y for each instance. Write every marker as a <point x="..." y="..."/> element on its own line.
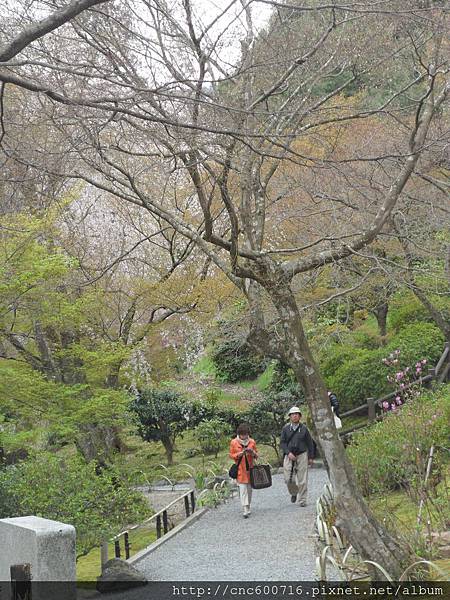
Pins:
<point x="435" y="314"/>
<point x="381" y="312"/>
<point x="371" y="540"/>
<point x="169" y="448"/>
<point x="112" y="379"/>
<point x="98" y="442"/>
<point x="51" y="369"/>
<point x="71" y="366"/>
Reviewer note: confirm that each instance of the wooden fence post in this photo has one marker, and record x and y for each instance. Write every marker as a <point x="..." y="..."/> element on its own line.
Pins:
<point x="193" y="501"/>
<point x="165" y="522"/>
<point x="127" y="545"/>
<point x="104" y="553"/>
<point x="432" y="372"/>
<point x="186" y="506"/>
<point x="20" y="582"/>
<point x="371" y="410"/>
<point x="117" y="548"/>
<point x="158" y="526"/>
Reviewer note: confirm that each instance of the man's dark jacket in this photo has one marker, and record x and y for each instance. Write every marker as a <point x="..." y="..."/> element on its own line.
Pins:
<point x="298" y="442"/>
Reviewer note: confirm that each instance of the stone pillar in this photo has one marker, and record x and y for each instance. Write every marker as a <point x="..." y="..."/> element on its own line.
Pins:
<point x="48" y="547"/>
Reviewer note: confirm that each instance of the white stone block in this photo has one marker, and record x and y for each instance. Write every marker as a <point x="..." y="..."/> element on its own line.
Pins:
<point x="48" y="546"/>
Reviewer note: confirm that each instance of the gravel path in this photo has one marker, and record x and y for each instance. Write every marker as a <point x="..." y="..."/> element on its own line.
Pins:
<point x="276" y="543"/>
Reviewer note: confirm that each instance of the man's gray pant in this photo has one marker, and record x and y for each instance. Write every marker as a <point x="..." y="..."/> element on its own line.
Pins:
<point x="296" y="476"/>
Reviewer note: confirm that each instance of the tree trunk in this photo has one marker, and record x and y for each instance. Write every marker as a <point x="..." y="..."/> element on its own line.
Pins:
<point x="279" y="454"/>
<point x="370" y="540"/>
<point x="169" y="448"/>
<point x="50" y="367"/>
<point x="435" y="314"/>
<point x="71" y="366"/>
<point x="112" y="379"/>
<point x="381" y="312"/>
<point x="98" y="442"/>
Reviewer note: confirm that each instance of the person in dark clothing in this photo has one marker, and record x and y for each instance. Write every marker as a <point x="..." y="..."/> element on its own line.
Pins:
<point x="334" y="403"/>
<point x="298" y="449"/>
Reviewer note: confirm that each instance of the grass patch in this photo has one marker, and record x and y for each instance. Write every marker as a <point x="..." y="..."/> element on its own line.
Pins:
<point x="262" y="382"/>
<point x="232" y="400"/>
<point x="399" y="513"/>
<point x="204" y="366"/>
<point x="144" y="459"/>
<point x="88" y="567"/>
<point x="265" y="379"/>
<point x="353" y="421"/>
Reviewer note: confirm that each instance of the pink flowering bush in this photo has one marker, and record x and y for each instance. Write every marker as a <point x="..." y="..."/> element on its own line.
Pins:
<point x="363" y="374"/>
<point x="405" y="381"/>
<point x="393" y="453"/>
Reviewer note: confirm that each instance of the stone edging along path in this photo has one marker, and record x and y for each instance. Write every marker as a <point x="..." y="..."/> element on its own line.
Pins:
<point x="277" y="542"/>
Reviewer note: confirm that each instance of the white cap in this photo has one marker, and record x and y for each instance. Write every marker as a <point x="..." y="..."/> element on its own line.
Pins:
<point x="294" y="409"/>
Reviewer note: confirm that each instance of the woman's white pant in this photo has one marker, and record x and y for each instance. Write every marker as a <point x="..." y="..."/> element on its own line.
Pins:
<point x="245" y="493"/>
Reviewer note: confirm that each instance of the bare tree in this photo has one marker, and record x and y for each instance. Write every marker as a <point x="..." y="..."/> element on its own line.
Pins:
<point x="156" y="87"/>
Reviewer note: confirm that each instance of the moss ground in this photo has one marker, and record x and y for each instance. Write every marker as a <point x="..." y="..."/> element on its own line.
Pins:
<point x="88" y="567"/>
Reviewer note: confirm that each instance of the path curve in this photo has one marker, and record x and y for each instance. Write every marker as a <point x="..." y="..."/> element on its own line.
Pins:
<point x="276" y="543"/>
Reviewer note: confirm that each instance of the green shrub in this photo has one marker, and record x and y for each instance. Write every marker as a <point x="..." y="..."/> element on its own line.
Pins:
<point x="335" y="356"/>
<point x="213" y="498"/>
<point x="394" y="452"/>
<point x="162" y="415"/>
<point x="212" y="434"/>
<point x="283" y="381"/>
<point x="365" y="376"/>
<point x="365" y="339"/>
<point x="360" y="378"/>
<point x="234" y="361"/>
<point x="72" y="491"/>
<point x="407" y="313"/>
<point x="412" y="311"/>
<point x="211" y="407"/>
<point x="416" y="341"/>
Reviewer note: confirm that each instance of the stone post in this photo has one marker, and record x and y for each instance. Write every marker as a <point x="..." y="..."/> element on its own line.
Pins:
<point x="371" y="412"/>
<point x="45" y="549"/>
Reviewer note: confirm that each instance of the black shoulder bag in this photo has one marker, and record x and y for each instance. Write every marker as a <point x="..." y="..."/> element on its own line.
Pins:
<point x="233" y="472"/>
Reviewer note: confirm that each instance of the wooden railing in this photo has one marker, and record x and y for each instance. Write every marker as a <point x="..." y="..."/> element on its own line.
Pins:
<point x="374" y="408"/>
<point x="161" y="519"/>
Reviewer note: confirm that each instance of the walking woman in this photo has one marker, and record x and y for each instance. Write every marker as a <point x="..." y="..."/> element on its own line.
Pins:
<point x="243" y="451"/>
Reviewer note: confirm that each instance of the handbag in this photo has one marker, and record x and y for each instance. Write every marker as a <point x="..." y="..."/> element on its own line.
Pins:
<point x="234" y="469"/>
<point x="260" y="477"/>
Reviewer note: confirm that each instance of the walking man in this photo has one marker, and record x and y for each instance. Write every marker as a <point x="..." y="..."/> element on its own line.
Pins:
<point x="298" y="449"/>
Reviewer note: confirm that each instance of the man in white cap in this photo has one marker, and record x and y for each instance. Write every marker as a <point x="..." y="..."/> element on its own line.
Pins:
<point x="298" y="449"/>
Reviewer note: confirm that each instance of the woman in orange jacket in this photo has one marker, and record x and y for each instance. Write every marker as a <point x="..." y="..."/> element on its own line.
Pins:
<point x="243" y="451"/>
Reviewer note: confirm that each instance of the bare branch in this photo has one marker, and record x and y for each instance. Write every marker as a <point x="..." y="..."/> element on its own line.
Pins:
<point x="41" y="28"/>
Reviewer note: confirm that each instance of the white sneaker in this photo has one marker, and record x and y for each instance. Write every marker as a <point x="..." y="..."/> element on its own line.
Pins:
<point x="246" y="512"/>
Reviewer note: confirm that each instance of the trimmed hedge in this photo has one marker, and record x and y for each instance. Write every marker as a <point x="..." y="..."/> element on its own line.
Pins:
<point x="414" y="311"/>
<point x="365" y="375"/>
<point x="236" y="361"/>
<point x="336" y="356"/>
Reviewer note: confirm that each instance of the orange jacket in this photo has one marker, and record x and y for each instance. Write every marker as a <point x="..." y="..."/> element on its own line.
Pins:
<point x="236" y="448"/>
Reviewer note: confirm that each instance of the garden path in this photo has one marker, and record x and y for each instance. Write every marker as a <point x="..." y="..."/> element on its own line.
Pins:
<point x="277" y="542"/>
